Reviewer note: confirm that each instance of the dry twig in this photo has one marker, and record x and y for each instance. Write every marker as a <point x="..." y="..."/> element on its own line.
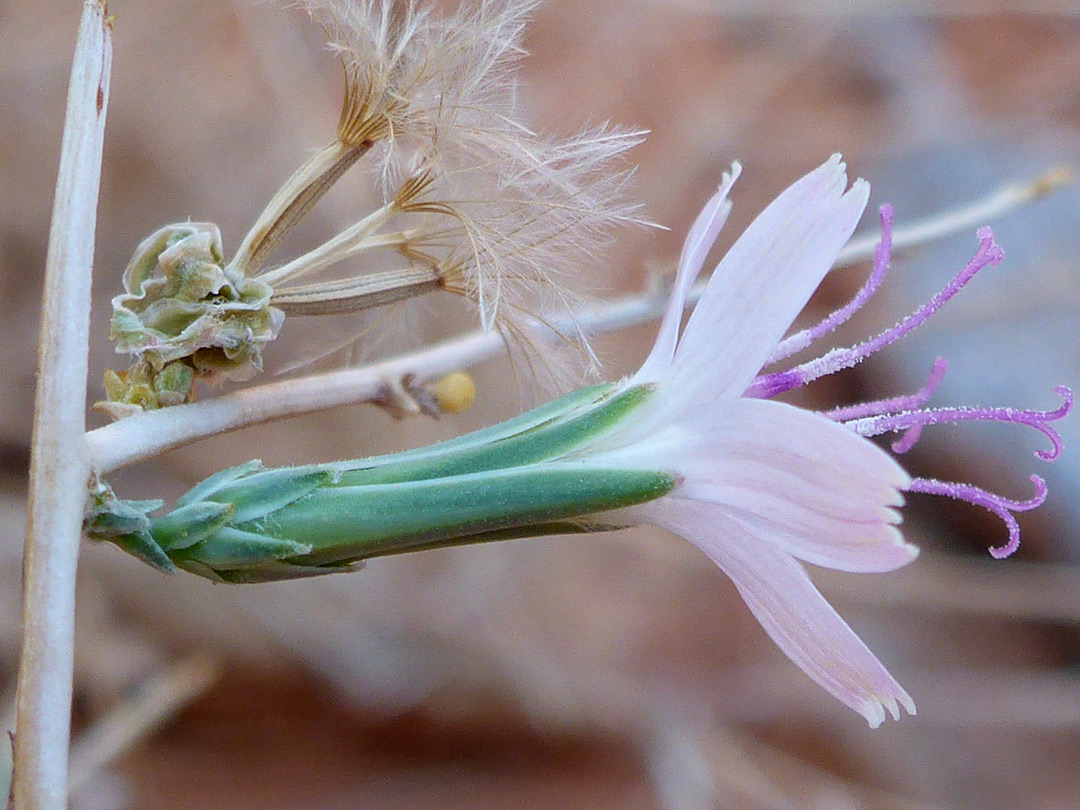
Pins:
<point x="60" y="465"/>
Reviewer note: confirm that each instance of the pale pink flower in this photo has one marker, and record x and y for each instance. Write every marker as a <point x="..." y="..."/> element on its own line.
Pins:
<point x="764" y="485"/>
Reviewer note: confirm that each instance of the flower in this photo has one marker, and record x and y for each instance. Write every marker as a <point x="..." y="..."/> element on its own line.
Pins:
<point x="763" y="485"/>
<point x="692" y="443"/>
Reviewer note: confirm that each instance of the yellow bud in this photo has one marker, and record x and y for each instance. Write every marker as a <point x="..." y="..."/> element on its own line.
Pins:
<point x="455" y="392"/>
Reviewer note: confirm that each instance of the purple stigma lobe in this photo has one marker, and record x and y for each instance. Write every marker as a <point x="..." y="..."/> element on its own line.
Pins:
<point x="988" y="253"/>
<point x="1000" y="506"/>
<point x="907" y="441"/>
<point x="882" y="253"/>
<point x="888" y="406"/>
<point x="909" y="420"/>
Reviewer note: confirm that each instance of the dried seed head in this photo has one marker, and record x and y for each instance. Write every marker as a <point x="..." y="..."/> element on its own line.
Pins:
<point x="183" y="315"/>
<point x="411" y="73"/>
<point x="501" y="213"/>
<point x="473" y="203"/>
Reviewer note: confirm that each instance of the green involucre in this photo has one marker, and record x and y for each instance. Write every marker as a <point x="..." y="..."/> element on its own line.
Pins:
<point x="534" y="441"/>
<point x="528" y="476"/>
<point x="351" y="523"/>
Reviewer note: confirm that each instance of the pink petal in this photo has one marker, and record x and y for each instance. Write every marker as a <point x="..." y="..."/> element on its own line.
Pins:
<point x="698" y="243"/>
<point x="794" y="614"/>
<point x="765" y="280"/>
<point x="804" y="482"/>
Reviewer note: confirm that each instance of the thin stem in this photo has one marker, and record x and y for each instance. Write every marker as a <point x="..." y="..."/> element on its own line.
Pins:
<point x="60" y="464"/>
<point x="145" y="435"/>
<point x="967" y="217"/>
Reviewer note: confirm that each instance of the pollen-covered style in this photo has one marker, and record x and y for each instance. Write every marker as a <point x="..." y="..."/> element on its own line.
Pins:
<point x="690" y="442"/>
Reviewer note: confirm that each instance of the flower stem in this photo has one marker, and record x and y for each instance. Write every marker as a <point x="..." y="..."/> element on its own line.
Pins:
<point x="147" y="434"/>
<point x="60" y="462"/>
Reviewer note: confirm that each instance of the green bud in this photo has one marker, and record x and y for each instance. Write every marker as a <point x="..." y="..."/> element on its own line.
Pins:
<point x="172" y="385"/>
<point x="344" y="524"/>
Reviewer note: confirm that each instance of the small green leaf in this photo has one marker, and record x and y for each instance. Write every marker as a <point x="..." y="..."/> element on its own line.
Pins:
<point x="258" y="495"/>
<point x="111" y="517"/>
<point x="188" y="525"/>
<point x="143" y="546"/>
<point x="280" y="571"/>
<point x="207" y="487"/>
<point x="232" y="548"/>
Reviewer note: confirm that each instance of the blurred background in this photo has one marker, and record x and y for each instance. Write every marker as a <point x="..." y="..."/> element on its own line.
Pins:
<point x="611" y="671"/>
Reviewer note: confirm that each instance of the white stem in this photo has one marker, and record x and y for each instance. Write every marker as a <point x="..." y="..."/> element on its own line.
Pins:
<point x="147" y="434"/>
<point x="60" y="464"/>
<point x="970" y="216"/>
<point x="143" y="436"/>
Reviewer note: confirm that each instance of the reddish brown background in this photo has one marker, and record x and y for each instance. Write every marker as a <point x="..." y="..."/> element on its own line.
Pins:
<point x="608" y="672"/>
